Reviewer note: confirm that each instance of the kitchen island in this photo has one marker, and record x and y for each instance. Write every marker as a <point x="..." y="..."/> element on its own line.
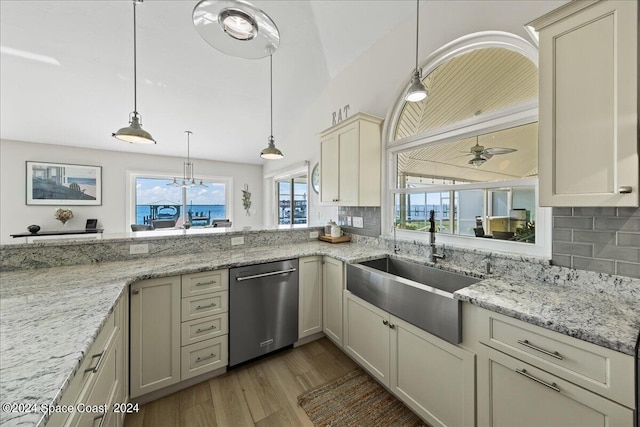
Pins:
<point x="51" y="316"/>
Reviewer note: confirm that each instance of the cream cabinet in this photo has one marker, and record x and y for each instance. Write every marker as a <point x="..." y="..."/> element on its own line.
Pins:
<point x="588" y="138"/>
<point x="155" y="334"/>
<point x="102" y="378"/>
<point x="366" y="336"/>
<point x="434" y="378"/>
<point x="179" y="329"/>
<point x="522" y="368"/>
<point x="205" y="323"/>
<point x="350" y="155"/>
<point x="309" y="296"/>
<point x="511" y="392"/>
<point x="332" y="287"/>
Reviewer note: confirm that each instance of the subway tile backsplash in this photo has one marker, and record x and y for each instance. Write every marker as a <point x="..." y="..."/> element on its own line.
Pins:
<point x="600" y="239"/>
<point x="370" y="216"/>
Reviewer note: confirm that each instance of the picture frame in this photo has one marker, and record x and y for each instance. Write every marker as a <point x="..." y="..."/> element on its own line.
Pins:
<point x="63" y="184"/>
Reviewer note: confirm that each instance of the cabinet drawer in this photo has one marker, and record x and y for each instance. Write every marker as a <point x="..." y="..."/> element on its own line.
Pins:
<point x="514" y="393"/>
<point x="596" y="368"/>
<point x="206" y="305"/>
<point x="204" y="283"/>
<point x="203" y="329"/>
<point x="204" y="356"/>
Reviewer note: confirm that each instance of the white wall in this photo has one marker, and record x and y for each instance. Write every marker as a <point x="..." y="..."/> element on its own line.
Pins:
<point x="15" y="215"/>
<point x="373" y="83"/>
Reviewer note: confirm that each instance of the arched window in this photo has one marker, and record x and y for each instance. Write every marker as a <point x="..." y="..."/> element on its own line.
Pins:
<point x="469" y="151"/>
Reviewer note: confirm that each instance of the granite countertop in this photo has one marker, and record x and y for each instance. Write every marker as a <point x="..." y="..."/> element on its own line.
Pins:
<point x="608" y="318"/>
<point x="51" y="316"/>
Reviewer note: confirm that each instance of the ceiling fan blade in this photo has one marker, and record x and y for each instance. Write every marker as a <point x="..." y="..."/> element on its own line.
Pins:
<point x="486" y="155"/>
<point x="499" y="150"/>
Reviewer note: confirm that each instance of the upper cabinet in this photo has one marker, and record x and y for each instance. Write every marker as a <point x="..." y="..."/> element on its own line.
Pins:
<point x="350" y="162"/>
<point x="588" y="140"/>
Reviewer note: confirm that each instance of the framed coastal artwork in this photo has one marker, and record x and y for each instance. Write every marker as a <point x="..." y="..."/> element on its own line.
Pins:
<point x="63" y="184"/>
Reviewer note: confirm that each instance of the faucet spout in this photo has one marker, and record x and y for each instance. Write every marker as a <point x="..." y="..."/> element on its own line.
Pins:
<point x="396" y="247"/>
<point x="432" y="238"/>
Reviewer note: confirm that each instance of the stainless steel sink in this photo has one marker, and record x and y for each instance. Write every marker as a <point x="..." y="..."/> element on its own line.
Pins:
<point x="419" y="294"/>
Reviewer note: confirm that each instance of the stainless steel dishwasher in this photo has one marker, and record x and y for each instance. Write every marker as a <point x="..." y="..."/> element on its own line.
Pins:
<point x="263" y="309"/>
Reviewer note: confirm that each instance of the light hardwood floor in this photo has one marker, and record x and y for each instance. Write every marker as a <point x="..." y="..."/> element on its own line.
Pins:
<point x="262" y="393"/>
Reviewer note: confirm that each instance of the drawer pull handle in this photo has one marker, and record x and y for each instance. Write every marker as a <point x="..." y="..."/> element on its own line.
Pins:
<point x="212" y="282"/>
<point x="201" y="359"/>
<point x="95" y="368"/>
<point x="211" y="328"/>
<point x="625" y="189"/>
<point x="202" y="307"/>
<point x="99" y="417"/>
<point x="552" y="386"/>
<point x="526" y="343"/>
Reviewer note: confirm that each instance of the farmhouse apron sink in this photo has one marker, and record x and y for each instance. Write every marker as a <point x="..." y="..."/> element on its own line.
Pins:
<point x="419" y="294"/>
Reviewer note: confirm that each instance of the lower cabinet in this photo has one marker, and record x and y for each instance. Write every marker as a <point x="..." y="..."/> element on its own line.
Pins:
<point x="179" y="329"/>
<point x="309" y="296"/>
<point x="332" y="287"/>
<point x="101" y="380"/>
<point x="155" y="334"/>
<point x="434" y="378"/>
<point x="511" y="392"/>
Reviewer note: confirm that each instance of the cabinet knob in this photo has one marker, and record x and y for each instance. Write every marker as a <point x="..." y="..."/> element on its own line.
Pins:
<point x="392" y="326"/>
<point x="385" y="322"/>
<point x="624" y="189"/>
<point x="135" y="292"/>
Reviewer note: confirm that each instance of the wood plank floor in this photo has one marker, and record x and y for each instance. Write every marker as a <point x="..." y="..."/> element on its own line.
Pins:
<point x="263" y="393"/>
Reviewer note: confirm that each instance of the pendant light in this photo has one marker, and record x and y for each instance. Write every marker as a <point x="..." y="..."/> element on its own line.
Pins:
<point x="416" y="92"/>
<point x="134" y="133"/>
<point x="271" y="152"/>
<point x="187" y="175"/>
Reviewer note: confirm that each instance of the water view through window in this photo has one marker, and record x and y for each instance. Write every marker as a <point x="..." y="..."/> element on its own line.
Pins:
<point x="158" y="200"/>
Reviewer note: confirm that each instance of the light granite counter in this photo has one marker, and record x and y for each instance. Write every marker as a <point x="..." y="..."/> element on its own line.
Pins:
<point x="50" y="316"/>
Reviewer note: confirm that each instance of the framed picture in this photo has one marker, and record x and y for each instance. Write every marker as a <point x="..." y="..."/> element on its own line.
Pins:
<point x="63" y="184"/>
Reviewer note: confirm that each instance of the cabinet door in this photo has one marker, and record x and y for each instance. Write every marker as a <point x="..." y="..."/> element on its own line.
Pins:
<point x="155" y="334"/>
<point x="366" y="336"/>
<point x="349" y="164"/>
<point x="511" y="392"/>
<point x="332" y="286"/>
<point x="309" y="296"/>
<point x="588" y="146"/>
<point x="329" y="160"/>
<point x="433" y="377"/>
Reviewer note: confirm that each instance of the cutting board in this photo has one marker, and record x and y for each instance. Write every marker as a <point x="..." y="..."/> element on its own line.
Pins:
<point x="341" y="239"/>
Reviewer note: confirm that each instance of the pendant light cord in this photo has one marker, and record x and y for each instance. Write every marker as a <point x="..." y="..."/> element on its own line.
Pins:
<point x="417" y="29"/>
<point x="135" y="71"/>
<point x="271" y="89"/>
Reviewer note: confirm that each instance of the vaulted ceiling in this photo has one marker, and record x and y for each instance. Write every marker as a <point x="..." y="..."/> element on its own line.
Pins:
<point x="67" y="72"/>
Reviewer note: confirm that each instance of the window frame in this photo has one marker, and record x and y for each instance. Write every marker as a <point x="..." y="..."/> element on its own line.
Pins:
<point x="132" y="176"/>
<point x="512" y="116"/>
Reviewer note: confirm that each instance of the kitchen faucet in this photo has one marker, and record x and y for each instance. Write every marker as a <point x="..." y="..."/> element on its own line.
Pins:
<point x="432" y="238"/>
<point x="396" y="247"/>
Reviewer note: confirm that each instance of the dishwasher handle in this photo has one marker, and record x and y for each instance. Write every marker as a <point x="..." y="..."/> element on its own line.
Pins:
<point x="272" y="273"/>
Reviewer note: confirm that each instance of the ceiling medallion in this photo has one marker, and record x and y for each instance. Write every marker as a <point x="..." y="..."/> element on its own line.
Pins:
<point x="236" y="27"/>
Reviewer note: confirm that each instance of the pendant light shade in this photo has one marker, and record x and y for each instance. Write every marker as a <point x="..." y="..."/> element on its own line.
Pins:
<point x="417" y="91"/>
<point x="271" y="152"/>
<point x="134" y="133"/>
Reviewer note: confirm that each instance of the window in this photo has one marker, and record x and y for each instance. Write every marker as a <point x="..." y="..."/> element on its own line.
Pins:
<point x="155" y="200"/>
<point x="469" y="151"/>
<point x="292" y="200"/>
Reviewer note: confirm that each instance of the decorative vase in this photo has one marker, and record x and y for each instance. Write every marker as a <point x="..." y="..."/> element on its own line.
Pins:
<point x="33" y="229"/>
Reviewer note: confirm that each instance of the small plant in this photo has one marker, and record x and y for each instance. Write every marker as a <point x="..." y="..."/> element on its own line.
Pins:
<point x="63" y="215"/>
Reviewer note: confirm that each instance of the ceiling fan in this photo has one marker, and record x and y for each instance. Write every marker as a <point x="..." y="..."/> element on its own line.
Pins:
<point x="481" y="154"/>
